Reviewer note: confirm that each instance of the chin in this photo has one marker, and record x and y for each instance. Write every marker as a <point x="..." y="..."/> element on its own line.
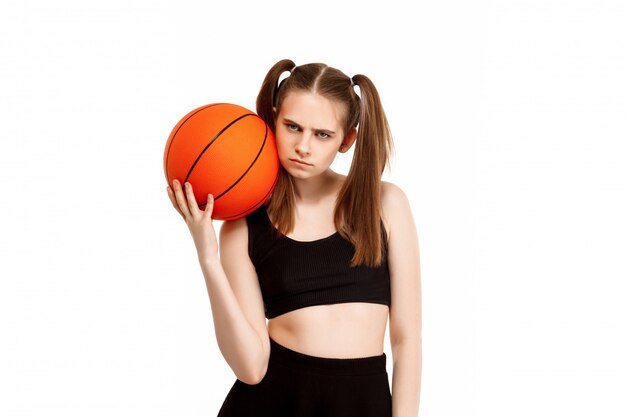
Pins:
<point x="296" y="173"/>
<point x="299" y="174"/>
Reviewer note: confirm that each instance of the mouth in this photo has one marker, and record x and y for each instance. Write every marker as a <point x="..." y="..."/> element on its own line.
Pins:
<point x="297" y="161"/>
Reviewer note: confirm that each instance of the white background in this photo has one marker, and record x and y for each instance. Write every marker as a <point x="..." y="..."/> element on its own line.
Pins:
<point x="510" y="133"/>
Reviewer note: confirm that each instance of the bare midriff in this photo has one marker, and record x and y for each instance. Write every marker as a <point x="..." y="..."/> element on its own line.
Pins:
<point x="345" y="330"/>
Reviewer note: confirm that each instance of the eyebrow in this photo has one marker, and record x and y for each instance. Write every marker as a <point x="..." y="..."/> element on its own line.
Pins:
<point x="289" y="121"/>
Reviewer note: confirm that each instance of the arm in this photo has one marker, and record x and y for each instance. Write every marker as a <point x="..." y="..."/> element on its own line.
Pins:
<point x="232" y="283"/>
<point x="237" y="304"/>
<point x="405" y="315"/>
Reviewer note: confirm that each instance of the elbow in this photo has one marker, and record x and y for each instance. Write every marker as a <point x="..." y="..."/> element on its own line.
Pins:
<point x="254" y="374"/>
<point x="248" y="380"/>
<point x="254" y="378"/>
<point x="252" y="364"/>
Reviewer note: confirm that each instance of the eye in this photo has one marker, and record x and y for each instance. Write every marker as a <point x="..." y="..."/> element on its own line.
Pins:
<point x="292" y="127"/>
<point x="323" y="135"/>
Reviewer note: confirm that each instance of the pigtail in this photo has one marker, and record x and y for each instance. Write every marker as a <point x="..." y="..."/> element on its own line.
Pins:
<point x="281" y="204"/>
<point x="266" y="99"/>
<point x="373" y="124"/>
<point x="359" y="210"/>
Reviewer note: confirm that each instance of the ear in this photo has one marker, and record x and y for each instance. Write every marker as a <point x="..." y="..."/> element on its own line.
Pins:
<point x="348" y="140"/>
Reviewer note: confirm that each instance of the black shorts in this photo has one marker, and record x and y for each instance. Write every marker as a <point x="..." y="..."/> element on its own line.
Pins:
<point x="300" y="385"/>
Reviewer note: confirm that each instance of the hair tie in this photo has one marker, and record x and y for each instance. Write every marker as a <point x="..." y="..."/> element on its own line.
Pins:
<point x="281" y="78"/>
<point x="357" y="90"/>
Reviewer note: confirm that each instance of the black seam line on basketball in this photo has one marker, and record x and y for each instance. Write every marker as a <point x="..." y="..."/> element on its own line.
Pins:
<point x="255" y="205"/>
<point x="258" y="203"/>
<point x="249" y="167"/>
<point x="213" y="140"/>
<point x="246" y="212"/>
<point x="167" y="158"/>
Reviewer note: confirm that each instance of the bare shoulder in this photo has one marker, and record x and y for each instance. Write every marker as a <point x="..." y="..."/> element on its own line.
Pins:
<point x="233" y="241"/>
<point x="234" y="231"/>
<point x="392" y="194"/>
<point x="395" y="206"/>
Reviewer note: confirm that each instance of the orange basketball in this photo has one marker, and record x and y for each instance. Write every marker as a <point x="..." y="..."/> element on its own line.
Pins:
<point x="225" y="150"/>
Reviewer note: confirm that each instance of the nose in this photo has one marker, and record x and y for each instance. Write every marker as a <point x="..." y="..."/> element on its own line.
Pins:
<point x="303" y="145"/>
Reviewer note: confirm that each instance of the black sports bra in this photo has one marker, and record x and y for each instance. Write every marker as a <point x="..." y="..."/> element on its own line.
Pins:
<point x="295" y="274"/>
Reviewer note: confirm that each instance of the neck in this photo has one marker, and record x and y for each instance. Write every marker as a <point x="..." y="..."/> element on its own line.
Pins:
<point x="313" y="190"/>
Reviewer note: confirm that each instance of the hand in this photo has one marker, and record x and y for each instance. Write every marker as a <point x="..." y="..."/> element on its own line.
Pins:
<point x="199" y="222"/>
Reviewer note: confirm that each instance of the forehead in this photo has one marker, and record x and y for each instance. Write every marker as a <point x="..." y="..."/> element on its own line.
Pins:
<point x="312" y="110"/>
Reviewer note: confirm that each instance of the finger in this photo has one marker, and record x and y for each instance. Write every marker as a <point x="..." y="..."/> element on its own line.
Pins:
<point x="180" y="199"/>
<point x="172" y="197"/>
<point x="191" y="199"/>
<point x="210" y="201"/>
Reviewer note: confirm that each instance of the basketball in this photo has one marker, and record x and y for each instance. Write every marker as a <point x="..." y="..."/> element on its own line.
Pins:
<point x="225" y="150"/>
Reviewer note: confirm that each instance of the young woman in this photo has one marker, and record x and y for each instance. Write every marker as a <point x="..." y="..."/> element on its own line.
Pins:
<point x="327" y="260"/>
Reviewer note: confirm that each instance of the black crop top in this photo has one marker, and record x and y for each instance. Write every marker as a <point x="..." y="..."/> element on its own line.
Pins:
<point x="294" y="274"/>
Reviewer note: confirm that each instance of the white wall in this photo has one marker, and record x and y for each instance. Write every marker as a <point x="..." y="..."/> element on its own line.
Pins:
<point x="509" y="127"/>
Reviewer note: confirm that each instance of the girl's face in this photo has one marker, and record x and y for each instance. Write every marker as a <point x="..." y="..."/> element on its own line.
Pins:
<point x="309" y="132"/>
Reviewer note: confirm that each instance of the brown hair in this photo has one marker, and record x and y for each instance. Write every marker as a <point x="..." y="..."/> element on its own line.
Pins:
<point x="358" y="209"/>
